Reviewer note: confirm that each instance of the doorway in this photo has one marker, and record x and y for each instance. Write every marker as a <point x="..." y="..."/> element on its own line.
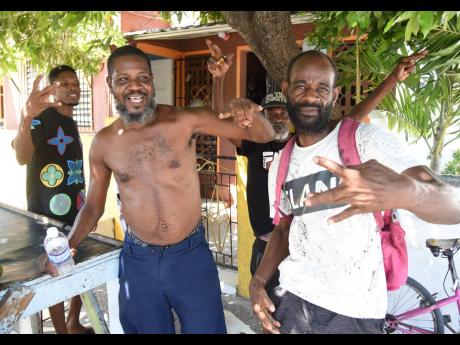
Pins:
<point x="256" y="79"/>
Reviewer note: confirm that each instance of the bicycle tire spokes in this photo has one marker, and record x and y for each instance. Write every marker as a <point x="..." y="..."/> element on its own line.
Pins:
<point x="411" y="297"/>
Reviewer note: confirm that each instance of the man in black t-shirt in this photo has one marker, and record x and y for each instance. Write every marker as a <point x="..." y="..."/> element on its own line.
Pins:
<point x="260" y="157"/>
<point x="55" y="182"/>
<point x="49" y="143"/>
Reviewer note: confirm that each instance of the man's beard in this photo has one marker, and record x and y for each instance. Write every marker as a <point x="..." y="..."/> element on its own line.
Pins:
<point x="281" y="130"/>
<point x="140" y="117"/>
<point x="309" y="124"/>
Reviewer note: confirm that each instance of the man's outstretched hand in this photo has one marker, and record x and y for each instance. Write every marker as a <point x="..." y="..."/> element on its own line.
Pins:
<point x="242" y="111"/>
<point x="367" y="187"/>
<point x="406" y="65"/>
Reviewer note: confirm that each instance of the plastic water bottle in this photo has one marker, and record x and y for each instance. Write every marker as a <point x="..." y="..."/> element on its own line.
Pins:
<point x="57" y="248"/>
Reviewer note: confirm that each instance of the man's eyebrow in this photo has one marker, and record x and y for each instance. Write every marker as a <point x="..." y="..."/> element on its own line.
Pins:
<point x="115" y="74"/>
<point x="299" y="81"/>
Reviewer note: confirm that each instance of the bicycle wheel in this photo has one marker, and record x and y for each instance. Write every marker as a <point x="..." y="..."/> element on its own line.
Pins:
<point x="410" y="296"/>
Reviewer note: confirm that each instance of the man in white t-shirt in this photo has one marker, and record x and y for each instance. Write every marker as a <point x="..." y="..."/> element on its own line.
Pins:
<point x="326" y="244"/>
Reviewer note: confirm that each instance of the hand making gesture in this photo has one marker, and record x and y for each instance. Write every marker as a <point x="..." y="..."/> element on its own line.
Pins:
<point x="406" y="65"/>
<point x="218" y="63"/>
<point x="242" y="111"/>
<point x="367" y="187"/>
<point x="39" y="100"/>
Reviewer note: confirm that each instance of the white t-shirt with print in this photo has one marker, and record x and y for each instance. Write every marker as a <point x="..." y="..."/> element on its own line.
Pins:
<point x="339" y="266"/>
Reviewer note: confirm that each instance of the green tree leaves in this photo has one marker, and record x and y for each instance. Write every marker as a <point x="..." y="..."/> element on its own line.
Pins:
<point x="453" y="166"/>
<point x="81" y="39"/>
<point x="427" y="104"/>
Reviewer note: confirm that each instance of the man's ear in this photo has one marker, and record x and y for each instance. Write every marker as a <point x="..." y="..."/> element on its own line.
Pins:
<point x="284" y="87"/>
<point x="336" y="93"/>
<point x="108" y="80"/>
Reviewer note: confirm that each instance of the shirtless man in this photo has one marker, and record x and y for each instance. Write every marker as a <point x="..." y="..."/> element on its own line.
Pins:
<point x="165" y="262"/>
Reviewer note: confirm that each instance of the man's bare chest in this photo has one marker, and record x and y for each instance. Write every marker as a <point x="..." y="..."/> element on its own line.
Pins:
<point x="150" y="157"/>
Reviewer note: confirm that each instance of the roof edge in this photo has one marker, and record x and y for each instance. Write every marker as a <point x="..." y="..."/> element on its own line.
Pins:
<point x="193" y="31"/>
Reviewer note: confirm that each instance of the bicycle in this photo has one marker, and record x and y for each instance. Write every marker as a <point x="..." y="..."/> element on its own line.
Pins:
<point x="415" y="310"/>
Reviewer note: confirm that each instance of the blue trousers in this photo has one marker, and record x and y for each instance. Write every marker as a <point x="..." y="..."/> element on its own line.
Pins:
<point x="154" y="280"/>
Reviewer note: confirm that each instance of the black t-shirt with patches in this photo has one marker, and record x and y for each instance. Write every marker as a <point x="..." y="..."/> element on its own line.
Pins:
<point x="55" y="184"/>
<point x="259" y="157"/>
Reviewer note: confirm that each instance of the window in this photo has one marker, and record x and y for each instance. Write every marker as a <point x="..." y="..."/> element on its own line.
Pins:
<point x="83" y="112"/>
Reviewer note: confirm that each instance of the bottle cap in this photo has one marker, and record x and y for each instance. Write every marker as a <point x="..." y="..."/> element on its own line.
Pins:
<point x="52" y="232"/>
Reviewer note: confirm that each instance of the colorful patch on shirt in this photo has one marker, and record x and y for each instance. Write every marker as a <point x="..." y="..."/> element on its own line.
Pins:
<point x="60" y="204"/>
<point x="75" y="172"/>
<point x="52" y="175"/>
<point x="60" y="140"/>
<point x="35" y="123"/>
<point x="80" y="199"/>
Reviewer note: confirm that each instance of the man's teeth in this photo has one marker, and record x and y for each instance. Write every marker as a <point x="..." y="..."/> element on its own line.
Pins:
<point x="136" y="99"/>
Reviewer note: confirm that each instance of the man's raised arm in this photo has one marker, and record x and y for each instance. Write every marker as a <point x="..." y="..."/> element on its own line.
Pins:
<point x="371" y="187"/>
<point x="218" y="66"/>
<point x="403" y="69"/>
<point x="38" y="101"/>
<point x="242" y="120"/>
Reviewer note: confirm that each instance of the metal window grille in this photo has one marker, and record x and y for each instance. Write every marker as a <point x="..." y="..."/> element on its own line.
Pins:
<point x="83" y="112"/>
<point x="193" y="82"/>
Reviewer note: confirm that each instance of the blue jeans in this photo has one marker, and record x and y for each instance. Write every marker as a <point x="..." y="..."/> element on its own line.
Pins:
<point x="154" y="280"/>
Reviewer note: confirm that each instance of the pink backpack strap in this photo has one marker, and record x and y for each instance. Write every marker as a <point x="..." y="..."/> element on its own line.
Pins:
<point x="281" y="175"/>
<point x="348" y="151"/>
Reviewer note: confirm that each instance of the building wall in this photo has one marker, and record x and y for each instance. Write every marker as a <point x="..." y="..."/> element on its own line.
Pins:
<point x="12" y="107"/>
<point x="141" y="20"/>
<point x="101" y="99"/>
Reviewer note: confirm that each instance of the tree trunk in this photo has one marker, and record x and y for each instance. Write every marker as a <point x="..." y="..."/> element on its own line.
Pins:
<point x="438" y="139"/>
<point x="436" y="156"/>
<point x="270" y="36"/>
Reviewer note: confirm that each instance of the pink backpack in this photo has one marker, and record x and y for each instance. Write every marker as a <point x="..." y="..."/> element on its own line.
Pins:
<point x="394" y="248"/>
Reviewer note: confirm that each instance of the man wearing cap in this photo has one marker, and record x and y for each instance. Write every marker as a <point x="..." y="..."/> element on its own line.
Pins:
<point x="260" y="156"/>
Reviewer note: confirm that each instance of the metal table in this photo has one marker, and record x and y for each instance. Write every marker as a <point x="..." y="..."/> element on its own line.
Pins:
<point x="25" y="291"/>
